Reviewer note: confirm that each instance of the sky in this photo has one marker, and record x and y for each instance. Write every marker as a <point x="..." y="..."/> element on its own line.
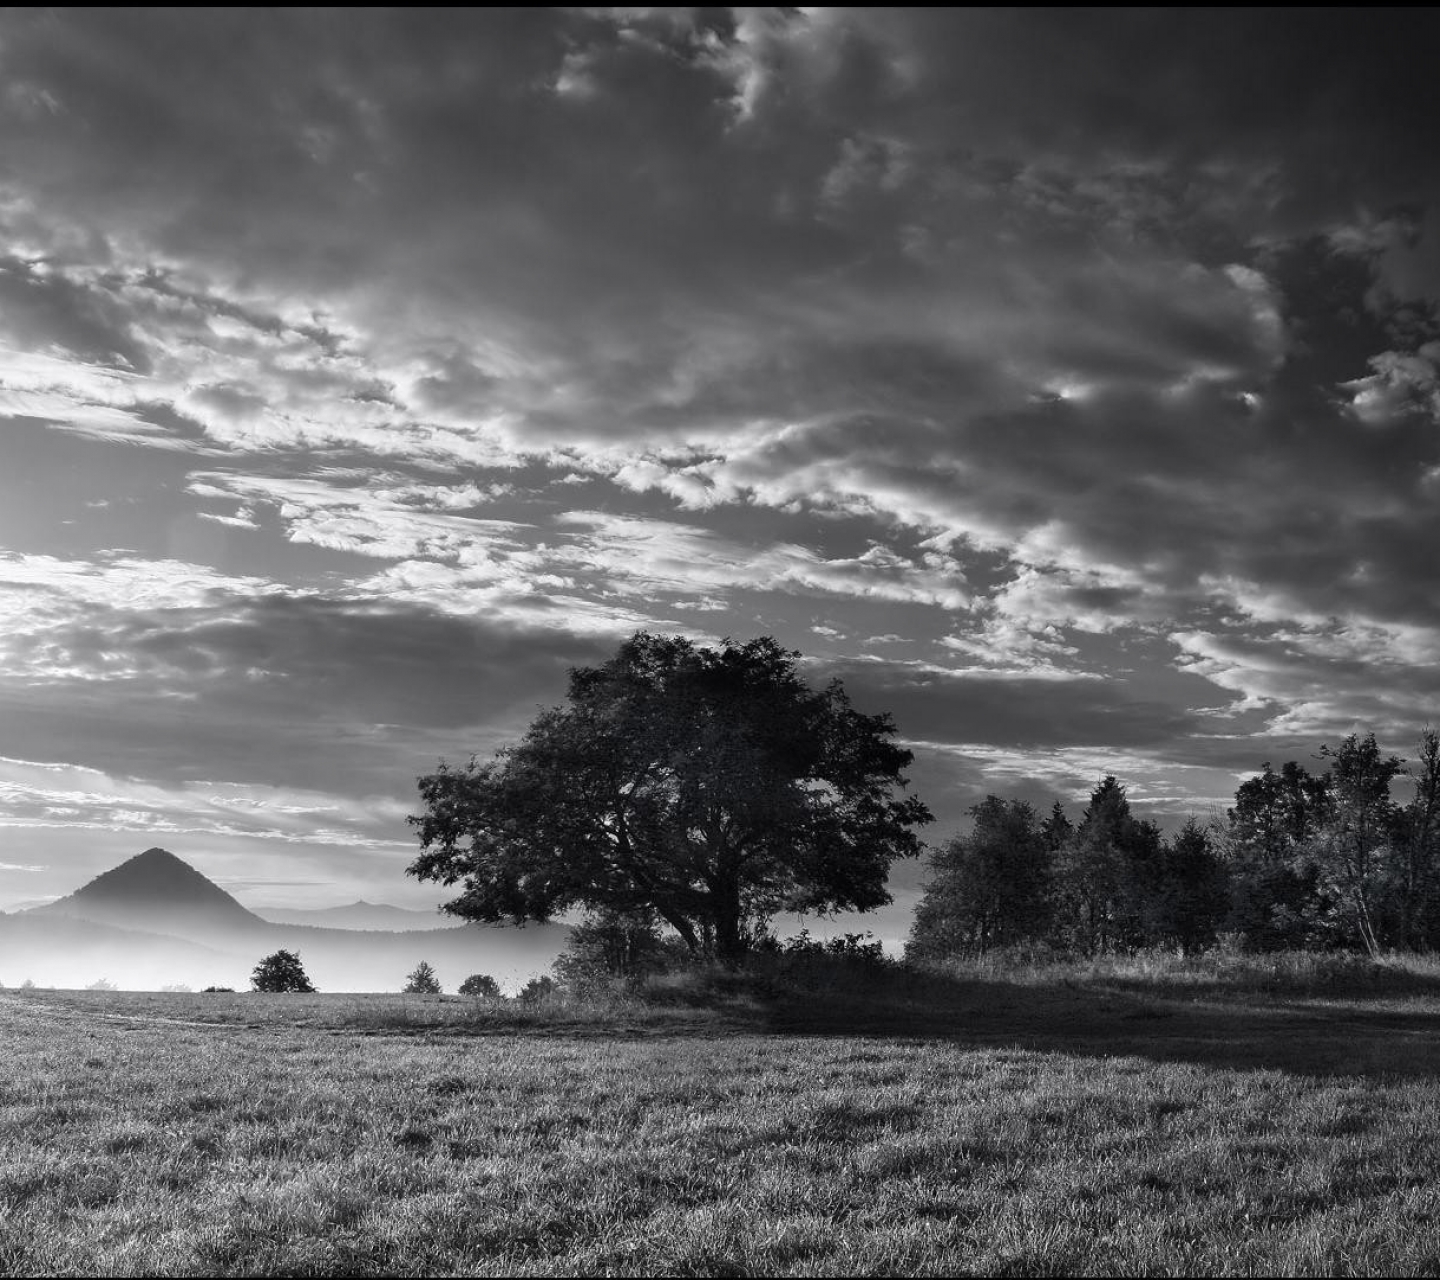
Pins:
<point x="1067" y="382"/>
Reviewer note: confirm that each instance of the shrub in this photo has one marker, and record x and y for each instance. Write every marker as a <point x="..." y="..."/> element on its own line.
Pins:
<point x="611" y="946"/>
<point x="848" y="946"/>
<point x="216" y="990"/>
<point x="281" y="972"/>
<point x="538" y="990"/>
<point x="175" y="987"/>
<point x="101" y="984"/>
<point x="422" y="981"/>
<point x="482" y="985"/>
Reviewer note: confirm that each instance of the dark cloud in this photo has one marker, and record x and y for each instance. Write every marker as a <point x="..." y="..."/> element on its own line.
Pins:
<point x="39" y="308"/>
<point x="1095" y="351"/>
<point x="933" y="707"/>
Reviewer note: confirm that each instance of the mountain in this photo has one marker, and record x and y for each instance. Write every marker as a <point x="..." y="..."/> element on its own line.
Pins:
<point x="360" y="915"/>
<point x="156" y="892"/>
<point x="155" y="920"/>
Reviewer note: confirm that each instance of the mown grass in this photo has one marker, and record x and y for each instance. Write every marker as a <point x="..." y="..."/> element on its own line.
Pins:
<point x="1008" y="1124"/>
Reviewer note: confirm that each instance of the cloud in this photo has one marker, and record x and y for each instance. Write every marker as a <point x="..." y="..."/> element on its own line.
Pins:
<point x="473" y="341"/>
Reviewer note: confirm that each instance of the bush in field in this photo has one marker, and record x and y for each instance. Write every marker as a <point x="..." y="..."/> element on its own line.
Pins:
<point x="611" y="946"/>
<point x="422" y="981"/>
<point x="101" y="984"/>
<point x="862" y="948"/>
<point x="217" y="990"/>
<point x="28" y="985"/>
<point x="537" y="990"/>
<point x="281" y="971"/>
<point x="482" y="985"/>
<point x="176" y="988"/>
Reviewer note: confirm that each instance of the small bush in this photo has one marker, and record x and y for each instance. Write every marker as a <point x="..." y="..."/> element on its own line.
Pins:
<point x="481" y="985"/>
<point x="612" y="948"/>
<point x="216" y="990"/>
<point x="101" y="984"/>
<point x="176" y="988"/>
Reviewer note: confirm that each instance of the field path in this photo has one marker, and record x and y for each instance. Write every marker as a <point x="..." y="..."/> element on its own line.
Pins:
<point x="38" y="1009"/>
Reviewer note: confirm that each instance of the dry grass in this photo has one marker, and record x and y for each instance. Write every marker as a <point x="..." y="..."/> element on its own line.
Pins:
<point x="1021" y="1127"/>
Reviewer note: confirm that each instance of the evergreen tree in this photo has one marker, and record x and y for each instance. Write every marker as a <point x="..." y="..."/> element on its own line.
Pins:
<point x="1108" y="875"/>
<point x="1194" y="896"/>
<point x="422" y="981"/>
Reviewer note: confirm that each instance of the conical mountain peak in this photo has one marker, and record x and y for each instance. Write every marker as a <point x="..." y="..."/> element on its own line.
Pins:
<point x="155" y="889"/>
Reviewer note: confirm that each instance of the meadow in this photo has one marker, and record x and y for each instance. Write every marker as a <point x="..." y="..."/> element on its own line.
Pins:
<point x="1119" y="1118"/>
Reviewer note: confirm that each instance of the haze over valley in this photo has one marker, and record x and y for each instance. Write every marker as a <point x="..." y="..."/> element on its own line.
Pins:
<point x="155" y="921"/>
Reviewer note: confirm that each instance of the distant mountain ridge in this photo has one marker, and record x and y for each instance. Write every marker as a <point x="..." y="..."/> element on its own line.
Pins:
<point x="361" y="915"/>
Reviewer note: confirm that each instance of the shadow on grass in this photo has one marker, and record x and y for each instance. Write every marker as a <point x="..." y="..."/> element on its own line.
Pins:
<point x="1210" y="1024"/>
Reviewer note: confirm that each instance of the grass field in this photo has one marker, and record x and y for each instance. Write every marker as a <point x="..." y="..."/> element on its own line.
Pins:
<point x="1115" y="1119"/>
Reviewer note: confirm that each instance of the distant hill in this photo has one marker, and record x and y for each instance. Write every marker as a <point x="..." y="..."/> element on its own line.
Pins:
<point x="161" y="921"/>
<point x="156" y="892"/>
<point x="361" y="915"/>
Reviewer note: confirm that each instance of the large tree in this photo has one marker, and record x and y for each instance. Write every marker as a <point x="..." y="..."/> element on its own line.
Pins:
<point x="711" y="786"/>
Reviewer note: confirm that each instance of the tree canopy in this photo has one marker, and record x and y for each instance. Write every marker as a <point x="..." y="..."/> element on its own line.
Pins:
<point x="1303" y="860"/>
<point x="710" y="786"/>
<point x="281" y="971"/>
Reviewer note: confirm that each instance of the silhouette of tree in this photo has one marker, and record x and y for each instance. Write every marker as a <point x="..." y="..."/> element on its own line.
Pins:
<point x="1277" y="899"/>
<point x="480" y="984"/>
<point x="711" y="786"/>
<point x="1194" y="895"/>
<point x="1419" y="845"/>
<point x="281" y="971"/>
<point x="1107" y="875"/>
<point x="422" y="981"/>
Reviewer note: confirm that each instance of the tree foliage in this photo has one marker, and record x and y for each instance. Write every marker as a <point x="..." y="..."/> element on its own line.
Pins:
<point x="610" y="946"/>
<point x="481" y="985"/>
<point x="421" y="981"/>
<point x="1327" y="859"/>
<point x="711" y="787"/>
<point x="281" y="971"/>
<point x="989" y="889"/>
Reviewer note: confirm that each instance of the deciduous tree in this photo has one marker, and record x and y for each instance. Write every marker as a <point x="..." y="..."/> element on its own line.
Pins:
<point x="711" y="786"/>
<point x="281" y="971"/>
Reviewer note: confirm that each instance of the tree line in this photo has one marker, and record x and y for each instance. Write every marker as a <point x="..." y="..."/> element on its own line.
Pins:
<point x="1303" y="859"/>
<point x="707" y="789"/>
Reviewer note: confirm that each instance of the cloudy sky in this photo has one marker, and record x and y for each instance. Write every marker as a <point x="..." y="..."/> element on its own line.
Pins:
<point x="1065" y="382"/>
